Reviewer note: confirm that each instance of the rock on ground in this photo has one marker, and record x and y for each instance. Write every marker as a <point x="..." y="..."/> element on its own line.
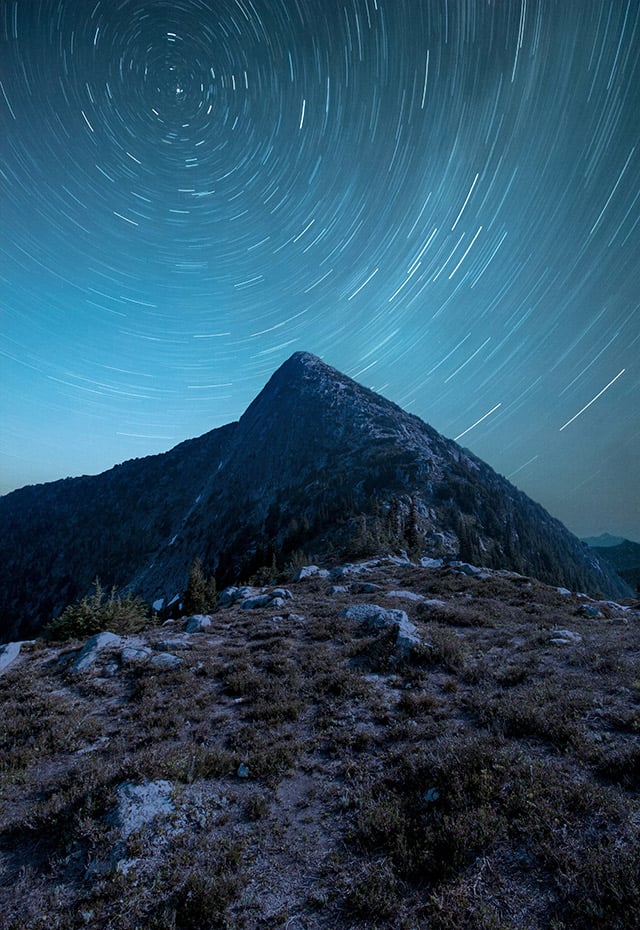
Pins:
<point x="378" y="617"/>
<point x="92" y="649"/>
<point x="199" y="623"/>
<point x="8" y="654"/>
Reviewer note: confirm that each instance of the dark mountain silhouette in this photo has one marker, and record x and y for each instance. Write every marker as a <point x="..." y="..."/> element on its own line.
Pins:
<point x="624" y="557"/>
<point x="317" y="463"/>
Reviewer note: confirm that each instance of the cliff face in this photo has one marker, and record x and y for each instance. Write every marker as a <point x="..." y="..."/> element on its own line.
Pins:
<point x="317" y="463"/>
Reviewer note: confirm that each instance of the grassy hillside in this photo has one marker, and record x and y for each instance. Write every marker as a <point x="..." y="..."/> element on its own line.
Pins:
<point x="293" y="768"/>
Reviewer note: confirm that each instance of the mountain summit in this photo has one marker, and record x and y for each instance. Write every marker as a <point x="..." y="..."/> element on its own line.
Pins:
<point x="317" y="464"/>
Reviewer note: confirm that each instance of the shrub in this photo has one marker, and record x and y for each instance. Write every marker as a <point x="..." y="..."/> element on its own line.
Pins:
<point x="97" y="612"/>
<point x="374" y="892"/>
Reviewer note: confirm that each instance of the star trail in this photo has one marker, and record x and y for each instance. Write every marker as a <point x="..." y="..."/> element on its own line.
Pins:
<point x="439" y="197"/>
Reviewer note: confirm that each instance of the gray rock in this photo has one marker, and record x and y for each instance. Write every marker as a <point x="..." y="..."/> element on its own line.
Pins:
<point x="199" y="623"/>
<point x="344" y="571"/>
<point x="134" y="655"/>
<point x="284" y="593"/>
<point x="466" y="569"/>
<point x="613" y="605"/>
<point x="405" y="595"/>
<point x="565" y="637"/>
<point x="277" y="602"/>
<point x="337" y="589"/>
<point x="591" y="612"/>
<point x="564" y="591"/>
<point x="247" y="591"/>
<point x="243" y="771"/>
<point x="375" y="617"/>
<point x="139" y="805"/>
<point x="427" y="562"/>
<point x="8" y="654"/>
<point x="234" y="594"/>
<point x="92" y="649"/>
<point x="165" y="660"/>
<point x="227" y="597"/>
<point x="310" y="571"/>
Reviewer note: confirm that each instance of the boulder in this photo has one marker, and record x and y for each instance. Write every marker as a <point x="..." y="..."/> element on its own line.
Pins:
<point x="284" y="593"/>
<point x="199" y="623"/>
<point x="227" y="597"/>
<point x="310" y="571"/>
<point x="591" y="612"/>
<point x="134" y="655"/>
<point x="406" y="595"/>
<point x="344" y="571"/>
<point x="92" y="649"/>
<point x="375" y="617"/>
<point x="565" y="637"/>
<point x="8" y="654"/>
<point x="139" y="805"/>
<point x="466" y="569"/>
<point x="165" y="660"/>
<point x="234" y="594"/>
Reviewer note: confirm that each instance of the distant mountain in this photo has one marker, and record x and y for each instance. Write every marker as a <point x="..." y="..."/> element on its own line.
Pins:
<point x="317" y="463"/>
<point x="604" y="540"/>
<point x="624" y="557"/>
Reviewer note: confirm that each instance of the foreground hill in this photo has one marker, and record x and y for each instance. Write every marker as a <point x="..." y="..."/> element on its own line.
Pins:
<point x="312" y="760"/>
<point x="317" y="463"/>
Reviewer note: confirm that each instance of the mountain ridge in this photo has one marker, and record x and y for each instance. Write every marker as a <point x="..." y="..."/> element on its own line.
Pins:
<point x="317" y="463"/>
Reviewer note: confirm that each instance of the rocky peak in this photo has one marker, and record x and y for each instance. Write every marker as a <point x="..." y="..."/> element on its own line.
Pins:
<point x="318" y="464"/>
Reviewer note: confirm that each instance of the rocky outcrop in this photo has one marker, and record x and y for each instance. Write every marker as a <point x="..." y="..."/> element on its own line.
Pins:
<point x="8" y="655"/>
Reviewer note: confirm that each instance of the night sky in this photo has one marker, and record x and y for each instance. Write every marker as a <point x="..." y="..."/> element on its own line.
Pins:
<point x="441" y="198"/>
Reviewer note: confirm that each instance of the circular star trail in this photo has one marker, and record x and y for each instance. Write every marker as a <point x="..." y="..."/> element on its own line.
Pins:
<point x="439" y="197"/>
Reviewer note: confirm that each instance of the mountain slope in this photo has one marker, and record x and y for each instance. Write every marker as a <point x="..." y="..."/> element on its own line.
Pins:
<point x="288" y="770"/>
<point x="625" y="559"/>
<point x="317" y="462"/>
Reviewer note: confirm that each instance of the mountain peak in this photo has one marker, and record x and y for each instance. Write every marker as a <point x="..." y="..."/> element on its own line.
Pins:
<point x="305" y="364"/>
<point x="317" y="464"/>
<point x="304" y="358"/>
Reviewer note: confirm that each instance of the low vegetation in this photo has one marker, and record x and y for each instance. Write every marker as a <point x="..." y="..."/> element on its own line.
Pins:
<point x="314" y="775"/>
<point x="100" y="610"/>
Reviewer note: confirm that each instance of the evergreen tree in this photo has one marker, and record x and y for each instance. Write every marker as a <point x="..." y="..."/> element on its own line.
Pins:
<point x="201" y="596"/>
<point x="412" y="533"/>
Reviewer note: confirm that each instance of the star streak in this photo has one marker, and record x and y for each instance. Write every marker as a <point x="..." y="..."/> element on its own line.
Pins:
<point x="442" y="196"/>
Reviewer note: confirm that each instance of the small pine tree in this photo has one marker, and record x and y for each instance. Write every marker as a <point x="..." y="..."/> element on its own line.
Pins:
<point x="99" y="611"/>
<point x="412" y="533"/>
<point x="201" y="595"/>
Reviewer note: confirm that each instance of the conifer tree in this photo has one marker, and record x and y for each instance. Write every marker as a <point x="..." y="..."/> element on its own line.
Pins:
<point x="201" y="595"/>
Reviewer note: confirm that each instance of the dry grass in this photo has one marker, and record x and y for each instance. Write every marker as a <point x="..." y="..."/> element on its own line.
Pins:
<point x="488" y="781"/>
